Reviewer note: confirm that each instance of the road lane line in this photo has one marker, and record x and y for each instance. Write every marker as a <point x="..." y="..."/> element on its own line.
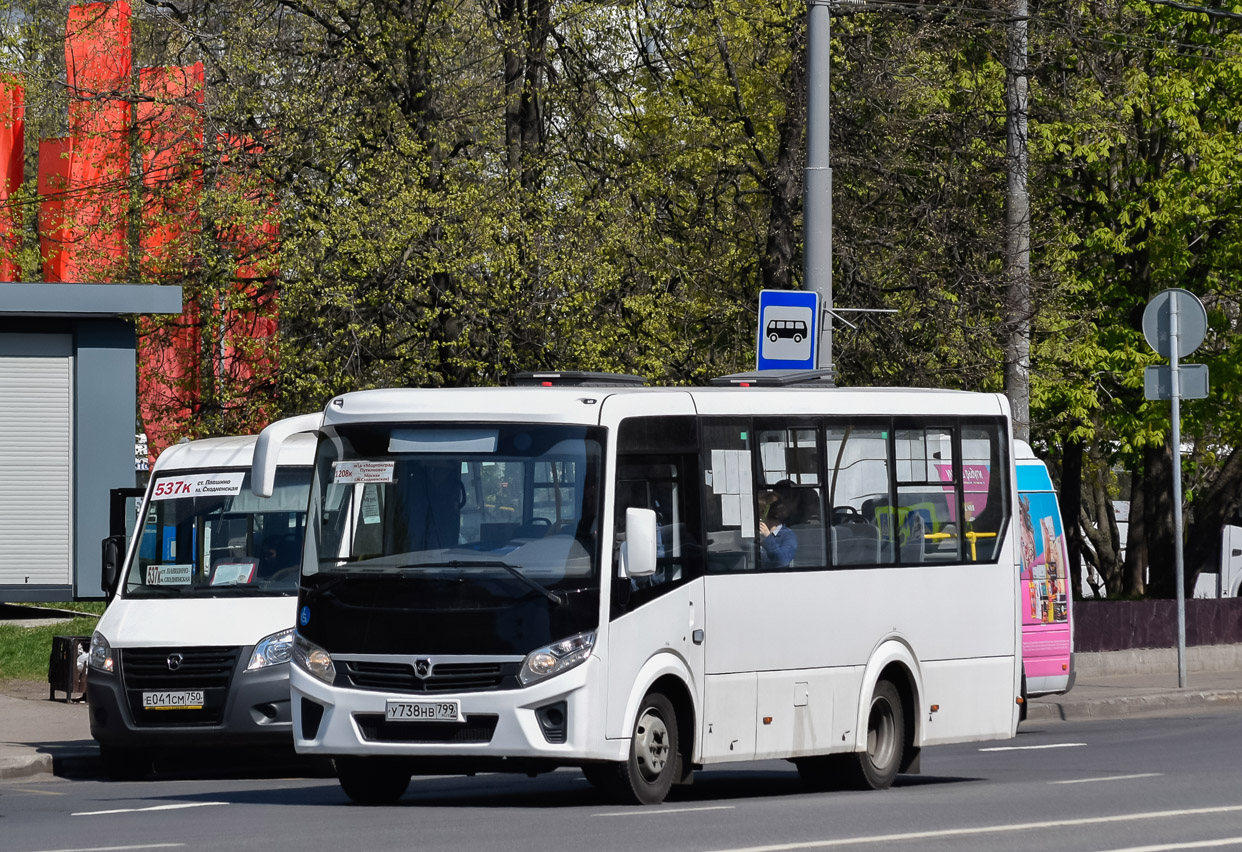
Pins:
<point x="117" y="848"/>
<point x="982" y="829"/>
<point x="1033" y="748"/>
<point x="657" y="811"/>
<point x="1190" y="844"/>
<point x="39" y="792"/>
<point x="1109" y="778"/>
<point x="154" y="808"/>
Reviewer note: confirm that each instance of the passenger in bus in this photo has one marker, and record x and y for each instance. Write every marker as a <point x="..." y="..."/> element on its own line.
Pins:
<point x="777" y="542"/>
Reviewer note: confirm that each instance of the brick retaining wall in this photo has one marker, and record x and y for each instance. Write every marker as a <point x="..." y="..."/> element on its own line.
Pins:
<point x="1125" y="625"/>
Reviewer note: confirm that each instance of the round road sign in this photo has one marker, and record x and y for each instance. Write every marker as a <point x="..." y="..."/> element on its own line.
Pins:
<point x="1191" y="322"/>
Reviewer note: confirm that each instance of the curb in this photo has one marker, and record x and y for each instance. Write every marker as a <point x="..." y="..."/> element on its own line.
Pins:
<point x="1132" y="705"/>
<point x="23" y="766"/>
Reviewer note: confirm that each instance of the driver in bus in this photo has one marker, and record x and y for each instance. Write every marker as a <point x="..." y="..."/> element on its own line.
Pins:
<point x="777" y="542"/>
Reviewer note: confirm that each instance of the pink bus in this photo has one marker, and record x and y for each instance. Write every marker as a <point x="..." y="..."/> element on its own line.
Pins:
<point x="1047" y="635"/>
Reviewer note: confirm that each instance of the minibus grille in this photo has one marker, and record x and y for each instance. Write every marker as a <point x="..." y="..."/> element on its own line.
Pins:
<point x="149" y="670"/>
<point x="441" y="677"/>
<point x="478" y="728"/>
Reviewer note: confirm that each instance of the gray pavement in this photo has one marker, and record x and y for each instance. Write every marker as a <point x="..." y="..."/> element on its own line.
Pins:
<point x="42" y="736"/>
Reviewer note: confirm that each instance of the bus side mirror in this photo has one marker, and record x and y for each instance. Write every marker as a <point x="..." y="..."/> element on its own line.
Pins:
<point x="638" y="553"/>
<point x="113" y="549"/>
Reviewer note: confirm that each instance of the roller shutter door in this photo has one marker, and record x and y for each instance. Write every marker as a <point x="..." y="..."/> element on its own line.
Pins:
<point x="36" y="450"/>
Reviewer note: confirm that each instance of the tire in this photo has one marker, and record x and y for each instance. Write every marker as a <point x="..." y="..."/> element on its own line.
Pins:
<point x="773" y="337"/>
<point x="125" y="764"/>
<point x="372" y="780"/>
<point x="876" y="767"/>
<point x="797" y="338"/>
<point x="1022" y="706"/>
<point x="645" y="777"/>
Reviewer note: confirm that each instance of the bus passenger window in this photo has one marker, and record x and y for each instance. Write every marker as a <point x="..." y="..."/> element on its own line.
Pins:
<point x="925" y="522"/>
<point x="789" y="468"/>
<point x="728" y="495"/>
<point x="985" y="490"/>
<point x="857" y="461"/>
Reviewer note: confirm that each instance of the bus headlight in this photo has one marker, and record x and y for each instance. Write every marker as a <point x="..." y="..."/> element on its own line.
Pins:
<point x="101" y="653"/>
<point x="313" y="659"/>
<point x="556" y="658"/>
<point x="272" y="650"/>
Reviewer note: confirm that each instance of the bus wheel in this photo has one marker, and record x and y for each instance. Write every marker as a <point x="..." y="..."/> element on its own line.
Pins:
<point x="645" y="778"/>
<point x="876" y="767"/>
<point x="373" y="780"/>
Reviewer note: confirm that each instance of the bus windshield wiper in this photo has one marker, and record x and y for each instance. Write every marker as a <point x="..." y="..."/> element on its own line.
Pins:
<point x="492" y="563"/>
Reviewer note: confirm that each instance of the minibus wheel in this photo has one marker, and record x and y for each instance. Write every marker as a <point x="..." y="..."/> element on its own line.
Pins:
<point x="645" y="777"/>
<point x="372" y="780"/>
<point x="876" y="766"/>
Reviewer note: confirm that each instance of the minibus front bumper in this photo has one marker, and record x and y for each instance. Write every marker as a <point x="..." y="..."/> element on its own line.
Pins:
<point x="253" y="709"/>
<point x="547" y="722"/>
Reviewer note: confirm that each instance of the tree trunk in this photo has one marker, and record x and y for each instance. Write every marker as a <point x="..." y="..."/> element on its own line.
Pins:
<point x="1071" y="508"/>
<point x="1017" y="227"/>
<point x="1133" y="581"/>
<point x="1158" y="520"/>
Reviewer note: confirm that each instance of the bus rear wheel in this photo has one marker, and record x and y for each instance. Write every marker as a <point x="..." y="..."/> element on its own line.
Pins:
<point x="876" y="767"/>
<point x="646" y="776"/>
<point x="373" y="780"/>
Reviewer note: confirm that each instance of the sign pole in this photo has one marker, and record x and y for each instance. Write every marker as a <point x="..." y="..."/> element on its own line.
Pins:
<point x="1175" y="383"/>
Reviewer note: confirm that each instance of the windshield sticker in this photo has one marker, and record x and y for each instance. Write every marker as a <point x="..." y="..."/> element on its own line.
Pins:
<point x="170" y="575"/>
<point x="233" y="573"/>
<point x="353" y="472"/>
<point x="370" y="506"/>
<point x="198" y="485"/>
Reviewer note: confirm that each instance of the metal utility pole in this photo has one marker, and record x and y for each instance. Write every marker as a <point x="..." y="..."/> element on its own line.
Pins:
<point x="1017" y="227"/>
<point x="817" y="181"/>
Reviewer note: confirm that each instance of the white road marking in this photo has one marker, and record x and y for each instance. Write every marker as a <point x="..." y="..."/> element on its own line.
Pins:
<point x="153" y="808"/>
<point x="1191" y="844"/>
<point x="1110" y="778"/>
<point x="39" y="792"/>
<point x="983" y="829"/>
<point x="117" y="848"/>
<point x="1033" y="748"/>
<point x="657" y="811"/>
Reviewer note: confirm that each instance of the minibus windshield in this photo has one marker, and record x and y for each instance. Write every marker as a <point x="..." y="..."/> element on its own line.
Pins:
<point x="510" y="503"/>
<point x="207" y="535"/>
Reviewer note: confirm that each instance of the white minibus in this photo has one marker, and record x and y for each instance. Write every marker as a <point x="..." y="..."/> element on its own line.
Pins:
<point x="192" y="650"/>
<point x="583" y="571"/>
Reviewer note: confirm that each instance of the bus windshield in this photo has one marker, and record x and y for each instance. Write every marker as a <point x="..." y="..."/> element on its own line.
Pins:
<point x="514" y="504"/>
<point x="207" y="535"/>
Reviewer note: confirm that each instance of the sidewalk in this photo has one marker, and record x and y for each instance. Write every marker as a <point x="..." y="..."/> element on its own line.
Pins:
<point x="39" y="736"/>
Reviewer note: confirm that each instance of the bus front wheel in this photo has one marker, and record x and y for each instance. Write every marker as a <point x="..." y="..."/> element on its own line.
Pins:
<point x="373" y="780"/>
<point x="645" y="777"/>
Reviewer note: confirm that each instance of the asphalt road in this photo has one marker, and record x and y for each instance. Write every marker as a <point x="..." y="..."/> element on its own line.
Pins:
<point x="1139" y="784"/>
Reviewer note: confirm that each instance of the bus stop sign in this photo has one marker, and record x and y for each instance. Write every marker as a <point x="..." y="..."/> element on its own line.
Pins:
<point x="788" y="330"/>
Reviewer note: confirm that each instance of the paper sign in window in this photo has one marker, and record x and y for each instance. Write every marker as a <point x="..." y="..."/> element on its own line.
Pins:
<point x="353" y="472"/>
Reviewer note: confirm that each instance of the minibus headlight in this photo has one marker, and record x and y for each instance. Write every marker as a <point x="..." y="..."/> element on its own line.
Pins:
<point x="101" y="653"/>
<point x="272" y="650"/>
<point x="556" y="658"/>
<point x="313" y="659"/>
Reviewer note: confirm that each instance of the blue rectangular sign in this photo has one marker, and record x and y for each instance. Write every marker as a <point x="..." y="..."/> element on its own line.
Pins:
<point x="788" y="330"/>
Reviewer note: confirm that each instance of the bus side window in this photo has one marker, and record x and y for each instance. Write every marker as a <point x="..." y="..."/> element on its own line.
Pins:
<point x="728" y="495"/>
<point x="985" y="490"/>
<point x="857" y="462"/>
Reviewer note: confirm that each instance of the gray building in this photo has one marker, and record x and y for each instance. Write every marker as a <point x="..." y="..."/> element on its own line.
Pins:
<point x="68" y="402"/>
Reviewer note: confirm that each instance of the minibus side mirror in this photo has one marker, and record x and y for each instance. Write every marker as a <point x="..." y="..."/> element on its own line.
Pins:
<point x="113" y="551"/>
<point x="639" y="550"/>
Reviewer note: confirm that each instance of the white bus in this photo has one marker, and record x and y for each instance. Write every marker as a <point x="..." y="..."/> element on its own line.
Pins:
<point x="525" y="578"/>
